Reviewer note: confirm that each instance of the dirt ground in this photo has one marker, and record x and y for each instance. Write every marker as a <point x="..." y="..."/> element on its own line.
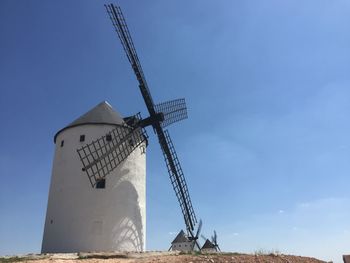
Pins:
<point x="159" y="257"/>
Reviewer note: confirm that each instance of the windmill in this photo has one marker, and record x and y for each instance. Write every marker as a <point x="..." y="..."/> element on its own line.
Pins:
<point x="102" y="214"/>
<point x="183" y="242"/>
<point x="100" y="157"/>
<point x="210" y="245"/>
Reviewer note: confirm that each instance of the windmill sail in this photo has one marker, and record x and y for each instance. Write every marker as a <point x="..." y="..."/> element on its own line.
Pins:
<point x="177" y="179"/>
<point x="171" y="112"/>
<point x="118" y="21"/>
<point x="103" y="155"/>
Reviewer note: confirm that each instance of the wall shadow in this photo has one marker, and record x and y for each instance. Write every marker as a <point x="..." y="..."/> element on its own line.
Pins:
<point x="127" y="234"/>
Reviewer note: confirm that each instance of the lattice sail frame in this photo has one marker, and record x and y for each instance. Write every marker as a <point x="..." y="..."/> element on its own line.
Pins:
<point x="173" y="111"/>
<point x="120" y="26"/>
<point x="102" y="156"/>
<point x="179" y="184"/>
<point x="173" y="165"/>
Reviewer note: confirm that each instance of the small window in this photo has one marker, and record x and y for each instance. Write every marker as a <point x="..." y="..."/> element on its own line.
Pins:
<point x="82" y="138"/>
<point x="143" y="149"/>
<point x="51" y="221"/>
<point x="101" y="184"/>
<point x="131" y="142"/>
<point x="62" y="143"/>
<point x="108" y="137"/>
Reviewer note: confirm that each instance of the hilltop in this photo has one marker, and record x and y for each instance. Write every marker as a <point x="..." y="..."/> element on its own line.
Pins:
<point x="160" y="257"/>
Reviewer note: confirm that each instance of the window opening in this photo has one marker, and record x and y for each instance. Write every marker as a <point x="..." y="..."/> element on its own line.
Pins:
<point x="62" y="143"/>
<point x="101" y="184"/>
<point x="143" y="149"/>
<point x="108" y="137"/>
<point x="82" y="138"/>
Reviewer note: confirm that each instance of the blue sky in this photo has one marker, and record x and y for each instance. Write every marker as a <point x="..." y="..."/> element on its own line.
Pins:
<point x="265" y="149"/>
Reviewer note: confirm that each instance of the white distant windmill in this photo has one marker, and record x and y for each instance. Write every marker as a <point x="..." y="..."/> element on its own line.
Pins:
<point x="105" y="151"/>
<point x="210" y="245"/>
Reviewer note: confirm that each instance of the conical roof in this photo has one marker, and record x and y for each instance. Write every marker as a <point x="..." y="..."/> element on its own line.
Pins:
<point x="208" y="244"/>
<point x="181" y="237"/>
<point x="103" y="113"/>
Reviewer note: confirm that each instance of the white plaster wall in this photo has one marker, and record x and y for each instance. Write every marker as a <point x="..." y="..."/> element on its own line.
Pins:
<point x="82" y="218"/>
<point x="183" y="246"/>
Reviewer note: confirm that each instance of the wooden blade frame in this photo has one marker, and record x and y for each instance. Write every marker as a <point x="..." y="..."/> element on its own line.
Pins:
<point x="178" y="180"/>
<point x="102" y="156"/>
<point x="199" y="228"/>
<point x="173" y="111"/>
<point x="118" y="21"/>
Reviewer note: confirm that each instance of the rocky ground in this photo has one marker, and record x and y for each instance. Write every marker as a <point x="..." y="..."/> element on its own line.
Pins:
<point x="159" y="257"/>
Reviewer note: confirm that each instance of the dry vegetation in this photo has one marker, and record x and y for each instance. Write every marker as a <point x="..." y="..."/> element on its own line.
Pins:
<point x="160" y="257"/>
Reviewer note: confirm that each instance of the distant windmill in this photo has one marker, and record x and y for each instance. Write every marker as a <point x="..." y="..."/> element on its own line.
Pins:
<point x="183" y="242"/>
<point x="210" y="245"/>
<point x="107" y="211"/>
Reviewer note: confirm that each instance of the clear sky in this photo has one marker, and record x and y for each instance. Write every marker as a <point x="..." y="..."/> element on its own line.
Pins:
<point x="265" y="149"/>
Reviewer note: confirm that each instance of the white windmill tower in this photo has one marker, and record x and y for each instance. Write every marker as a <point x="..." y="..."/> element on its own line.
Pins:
<point x="108" y="216"/>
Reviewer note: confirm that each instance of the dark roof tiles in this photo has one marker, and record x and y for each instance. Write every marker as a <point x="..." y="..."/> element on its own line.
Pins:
<point x="180" y="238"/>
<point x="208" y="244"/>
